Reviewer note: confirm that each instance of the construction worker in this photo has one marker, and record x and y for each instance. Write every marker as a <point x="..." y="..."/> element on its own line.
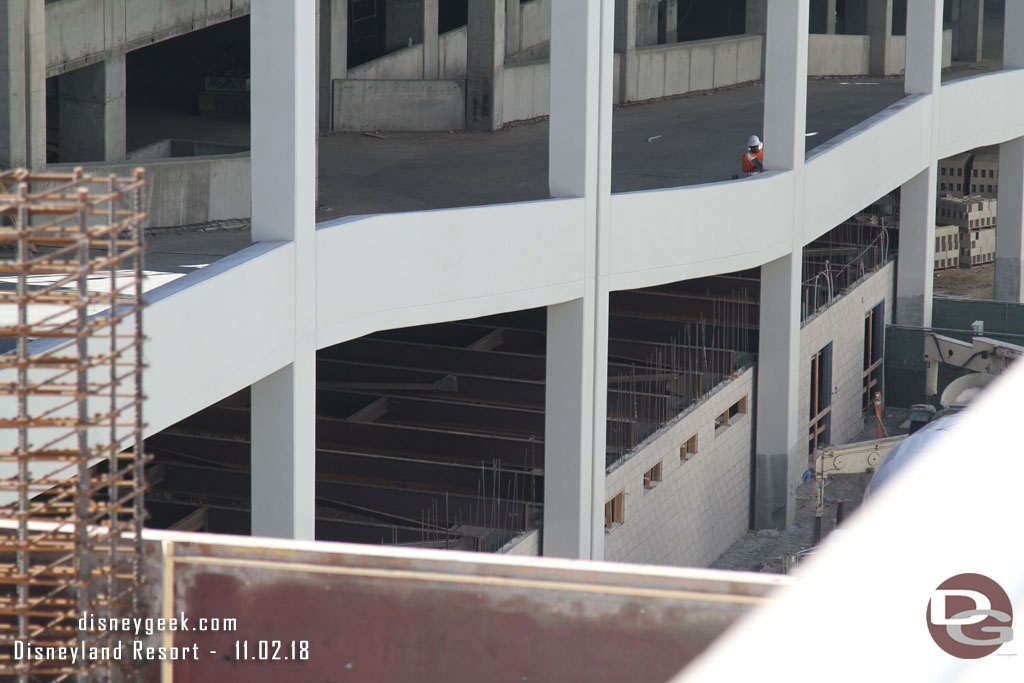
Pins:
<point x="753" y="158"/>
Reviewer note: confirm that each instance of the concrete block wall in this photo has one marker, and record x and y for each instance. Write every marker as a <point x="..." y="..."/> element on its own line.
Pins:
<point x="837" y="55"/>
<point x="679" y="68"/>
<point x="842" y="324"/>
<point x="702" y="504"/>
<point x="526" y="545"/>
<point x="417" y="105"/>
<point x="407" y="62"/>
<point x="189" y="190"/>
<point x="526" y="91"/>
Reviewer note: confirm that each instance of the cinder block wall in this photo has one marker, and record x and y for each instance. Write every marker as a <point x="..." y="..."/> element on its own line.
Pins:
<point x="842" y="323"/>
<point x="701" y="506"/>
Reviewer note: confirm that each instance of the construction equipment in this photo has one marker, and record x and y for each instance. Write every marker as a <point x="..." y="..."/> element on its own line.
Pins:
<point x="853" y="458"/>
<point x="981" y="354"/>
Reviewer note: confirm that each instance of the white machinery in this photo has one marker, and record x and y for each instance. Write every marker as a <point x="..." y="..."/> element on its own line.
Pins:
<point x="981" y="354"/>
<point x="853" y="458"/>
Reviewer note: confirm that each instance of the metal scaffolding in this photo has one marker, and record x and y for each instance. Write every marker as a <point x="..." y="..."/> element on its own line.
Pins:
<point x="71" y="469"/>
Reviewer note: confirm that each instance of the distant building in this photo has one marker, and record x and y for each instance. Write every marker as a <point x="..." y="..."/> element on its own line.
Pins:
<point x="970" y="173"/>
<point x="947" y="246"/>
<point x="975" y="217"/>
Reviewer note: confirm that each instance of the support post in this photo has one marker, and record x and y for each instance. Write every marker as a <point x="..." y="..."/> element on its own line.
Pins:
<point x="972" y="25"/>
<point x="918" y="195"/>
<point x="1009" y="272"/>
<point x="513" y="30"/>
<point x="779" y="460"/>
<point x="575" y="413"/>
<point x="431" y="40"/>
<point x="625" y="45"/>
<point x="671" y="21"/>
<point x="333" y="59"/>
<point x="879" y="25"/>
<point x="93" y="115"/>
<point x="283" y="59"/>
<point x="830" y="17"/>
<point x="485" y="64"/>
<point x="757" y="17"/>
<point x="22" y="84"/>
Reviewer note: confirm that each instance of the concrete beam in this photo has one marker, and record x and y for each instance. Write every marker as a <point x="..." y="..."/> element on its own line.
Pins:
<point x="485" y="65"/>
<point x="93" y="114"/>
<point x="22" y="84"/>
<point x="283" y="141"/>
<point x="1009" y="273"/>
<point x="972" y="25"/>
<point x="879" y="30"/>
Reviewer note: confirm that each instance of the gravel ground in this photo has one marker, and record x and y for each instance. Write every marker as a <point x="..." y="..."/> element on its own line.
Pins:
<point x="764" y="551"/>
<point x="972" y="283"/>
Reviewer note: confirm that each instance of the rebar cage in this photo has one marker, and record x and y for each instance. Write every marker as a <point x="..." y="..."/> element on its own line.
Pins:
<point x="71" y="465"/>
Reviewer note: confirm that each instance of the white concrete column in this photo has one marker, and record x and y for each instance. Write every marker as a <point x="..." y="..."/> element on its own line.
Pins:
<point x="582" y="34"/>
<point x="972" y="24"/>
<point x="283" y="130"/>
<point x="430" y="40"/>
<point x="1013" y="36"/>
<point x="1009" y="272"/>
<point x="1009" y="239"/>
<point x="830" y="17"/>
<point x="625" y="46"/>
<point x="918" y="195"/>
<point x="513" y="29"/>
<point x="879" y="26"/>
<point x="93" y="115"/>
<point x="485" y="64"/>
<point x="779" y="460"/>
<point x="22" y="84"/>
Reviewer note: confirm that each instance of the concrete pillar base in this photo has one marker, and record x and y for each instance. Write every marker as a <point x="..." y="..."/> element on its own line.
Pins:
<point x="774" y="503"/>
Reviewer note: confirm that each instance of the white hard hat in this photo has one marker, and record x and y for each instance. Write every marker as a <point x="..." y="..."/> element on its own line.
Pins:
<point x="754" y="141"/>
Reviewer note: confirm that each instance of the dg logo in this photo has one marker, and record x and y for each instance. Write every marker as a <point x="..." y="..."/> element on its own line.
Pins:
<point x="970" y="616"/>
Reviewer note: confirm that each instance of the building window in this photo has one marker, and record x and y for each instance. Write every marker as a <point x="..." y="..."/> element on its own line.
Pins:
<point x="974" y="188"/>
<point x="615" y="511"/>
<point x="943" y="187"/>
<point x="958" y="187"/>
<point x="990" y="189"/>
<point x="975" y="173"/>
<point x="821" y="398"/>
<point x="727" y="418"/>
<point x="959" y="171"/>
<point x="942" y="171"/>
<point x="688" y="449"/>
<point x="874" y="344"/>
<point x="652" y="477"/>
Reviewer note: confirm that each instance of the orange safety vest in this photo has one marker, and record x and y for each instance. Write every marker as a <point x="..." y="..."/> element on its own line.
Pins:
<point x="753" y="163"/>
